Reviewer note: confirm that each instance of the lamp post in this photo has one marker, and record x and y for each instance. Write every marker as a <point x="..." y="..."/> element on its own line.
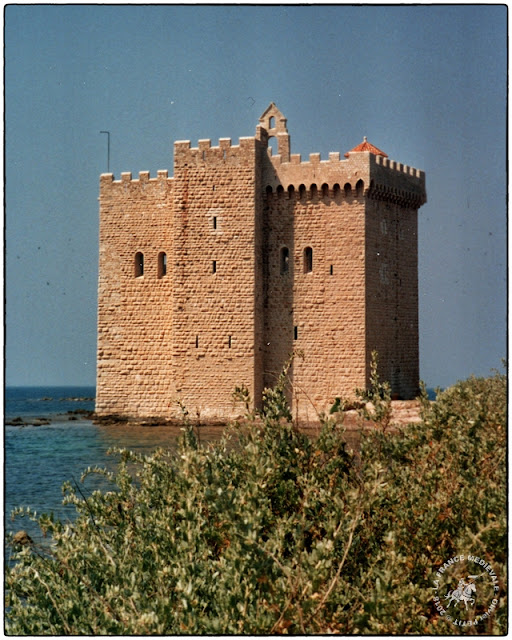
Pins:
<point x="108" y="149"/>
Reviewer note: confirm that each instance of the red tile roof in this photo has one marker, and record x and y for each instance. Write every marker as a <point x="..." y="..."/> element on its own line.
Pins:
<point x="366" y="146"/>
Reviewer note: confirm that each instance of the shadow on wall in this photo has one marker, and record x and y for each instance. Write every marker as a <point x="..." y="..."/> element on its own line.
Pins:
<point x="278" y="278"/>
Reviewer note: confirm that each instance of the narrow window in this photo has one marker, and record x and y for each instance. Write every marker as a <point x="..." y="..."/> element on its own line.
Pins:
<point x="197" y="342"/>
<point x="331" y="270"/>
<point x="285" y="260"/>
<point x="314" y="191"/>
<point x="295" y="332"/>
<point x="291" y="191"/>
<point x="229" y="342"/>
<point x="271" y="122"/>
<point x="162" y="264"/>
<point x="204" y="155"/>
<point x="139" y="264"/>
<point x="308" y="260"/>
<point x="214" y="222"/>
<point x="214" y="266"/>
<point x="272" y="145"/>
<point x="347" y="189"/>
<point x="280" y="191"/>
<point x="359" y="188"/>
<point x="336" y="190"/>
<point x="302" y="191"/>
<point x="325" y="190"/>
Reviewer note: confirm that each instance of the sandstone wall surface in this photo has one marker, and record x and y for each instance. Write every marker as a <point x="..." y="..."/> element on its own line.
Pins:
<point x="214" y="274"/>
<point x="134" y="368"/>
<point x="317" y="307"/>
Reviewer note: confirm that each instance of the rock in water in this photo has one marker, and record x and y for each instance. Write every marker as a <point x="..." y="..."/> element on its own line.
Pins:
<point x="22" y="538"/>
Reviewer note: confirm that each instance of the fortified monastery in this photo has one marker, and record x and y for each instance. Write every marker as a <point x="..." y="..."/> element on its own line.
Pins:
<point x="211" y="278"/>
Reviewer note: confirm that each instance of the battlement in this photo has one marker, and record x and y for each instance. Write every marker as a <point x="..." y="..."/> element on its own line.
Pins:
<point x="204" y="151"/>
<point x="126" y="176"/>
<point x="362" y="172"/>
<point x="396" y="166"/>
<point x="334" y="158"/>
<point x="394" y="181"/>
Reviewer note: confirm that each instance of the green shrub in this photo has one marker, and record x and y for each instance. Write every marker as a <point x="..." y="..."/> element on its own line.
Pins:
<point x="271" y="532"/>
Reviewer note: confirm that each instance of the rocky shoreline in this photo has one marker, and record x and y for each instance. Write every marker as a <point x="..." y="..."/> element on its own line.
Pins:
<point x="403" y="412"/>
<point x="34" y="421"/>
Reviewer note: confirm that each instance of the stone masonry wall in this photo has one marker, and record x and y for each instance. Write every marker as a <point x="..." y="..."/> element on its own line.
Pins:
<point x="214" y="274"/>
<point x="134" y="369"/>
<point x="392" y="274"/>
<point x="317" y="312"/>
<point x="318" y="205"/>
<point x="392" y="294"/>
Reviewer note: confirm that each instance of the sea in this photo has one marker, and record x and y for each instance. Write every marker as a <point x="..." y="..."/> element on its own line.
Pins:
<point x="49" y="439"/>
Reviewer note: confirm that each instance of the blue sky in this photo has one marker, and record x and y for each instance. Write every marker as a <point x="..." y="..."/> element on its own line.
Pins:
<point x="426" y="84"/>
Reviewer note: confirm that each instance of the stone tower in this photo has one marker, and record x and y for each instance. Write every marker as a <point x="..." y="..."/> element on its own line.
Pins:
<point x="213" y="277"/>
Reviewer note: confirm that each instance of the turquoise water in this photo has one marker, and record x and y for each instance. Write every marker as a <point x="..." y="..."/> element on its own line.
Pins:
<point x="42" y="401"/>
<point x="39" y="459"/>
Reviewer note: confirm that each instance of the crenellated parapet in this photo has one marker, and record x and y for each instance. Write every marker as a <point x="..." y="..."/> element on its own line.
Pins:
<point x="396" y="166"/>
<point x="126" y="176"/>
<point x="144" y="184"/>
<point x="361" y="174"/>
<point x="207" y="155"/>
<point x="315" y="172"/>
<point x="397" y="183"/>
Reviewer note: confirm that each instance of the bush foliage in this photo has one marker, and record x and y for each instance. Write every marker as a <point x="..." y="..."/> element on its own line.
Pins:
<point x="273" y="532"/>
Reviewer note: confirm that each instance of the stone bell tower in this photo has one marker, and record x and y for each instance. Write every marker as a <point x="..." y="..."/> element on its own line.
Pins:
<point x="274" y="123"/>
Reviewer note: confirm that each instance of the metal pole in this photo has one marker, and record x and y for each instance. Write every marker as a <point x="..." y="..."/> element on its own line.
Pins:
<point x="108" y="149"/>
